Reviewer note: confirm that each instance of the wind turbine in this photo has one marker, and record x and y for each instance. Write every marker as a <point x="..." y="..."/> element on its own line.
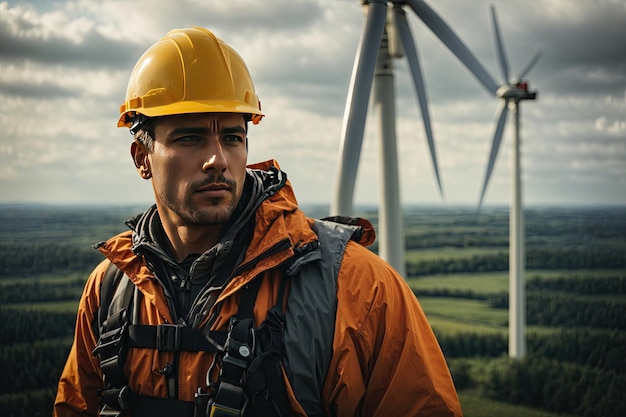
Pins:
<point x="373" y="64"/>
<point x="511" y="94"/>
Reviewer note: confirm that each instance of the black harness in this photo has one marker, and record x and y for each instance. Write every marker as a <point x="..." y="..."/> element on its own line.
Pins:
<point x="250" y="366"/>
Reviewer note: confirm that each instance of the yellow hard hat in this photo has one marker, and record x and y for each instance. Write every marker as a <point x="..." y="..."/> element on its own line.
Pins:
<point x="189" y="71"/>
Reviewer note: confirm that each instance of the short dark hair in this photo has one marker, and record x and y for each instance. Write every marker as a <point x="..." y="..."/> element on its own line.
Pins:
<point x="145" y="134"/>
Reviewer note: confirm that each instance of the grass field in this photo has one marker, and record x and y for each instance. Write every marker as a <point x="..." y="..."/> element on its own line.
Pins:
<point x="422" y="255"/>
<point x="53" y="306"/>
<point x="476" y="406"/>
<point x="484" y="283"/>
<point x="494" y="282"/>
<point x="464" y="312"/>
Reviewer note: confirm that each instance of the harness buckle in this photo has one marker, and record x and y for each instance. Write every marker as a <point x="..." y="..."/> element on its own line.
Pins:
<point x="222" y="411"/>
<point x="116" y="401"/>
<point x="168" y="337"/>
<point x="107" y="411"/>
<point x="112" y="332"/>
<point x="233" y="370"/>
<point x="125" y="398"/>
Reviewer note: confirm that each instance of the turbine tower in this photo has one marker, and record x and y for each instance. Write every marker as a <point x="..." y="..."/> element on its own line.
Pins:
<point x="373" y="63"/>
<point x="510" y="94"/>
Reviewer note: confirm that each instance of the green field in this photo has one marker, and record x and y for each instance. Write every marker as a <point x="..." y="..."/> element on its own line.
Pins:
<point x="487" y="282"/>
<point x="464" y="312"/>
<point x="422" y="255"/>
<point x="474" y="405"/>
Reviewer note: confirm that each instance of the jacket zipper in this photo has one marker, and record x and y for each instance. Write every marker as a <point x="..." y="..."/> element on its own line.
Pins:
<point x="277" y="248"/>
<point x="185" y="287"/>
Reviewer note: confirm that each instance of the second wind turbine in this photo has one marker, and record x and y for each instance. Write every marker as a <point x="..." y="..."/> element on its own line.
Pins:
<point x="510" y="94"/>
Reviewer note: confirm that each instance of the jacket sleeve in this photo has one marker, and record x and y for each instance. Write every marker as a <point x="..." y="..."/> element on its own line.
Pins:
<point x="386" y="358"/>
<point x="81" y="378"/>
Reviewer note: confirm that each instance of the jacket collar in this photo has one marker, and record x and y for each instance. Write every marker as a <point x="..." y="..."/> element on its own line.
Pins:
<point x="278" y="224"/>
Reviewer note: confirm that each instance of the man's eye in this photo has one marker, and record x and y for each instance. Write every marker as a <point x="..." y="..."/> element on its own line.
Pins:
<point x="187" y="139"/>
<point x="232" y="138"/>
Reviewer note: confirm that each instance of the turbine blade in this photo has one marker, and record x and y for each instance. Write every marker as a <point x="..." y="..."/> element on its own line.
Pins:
<point x="529" y="66"/>
<point x="410" y="52"/>
<point x="454" y="43"/>
<point x="495" y="146"/>
<point x="356" y="107"/>
<point x="502" y="57"/>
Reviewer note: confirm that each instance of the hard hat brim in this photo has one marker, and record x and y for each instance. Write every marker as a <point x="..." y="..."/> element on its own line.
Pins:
<point x="186" y="107"/>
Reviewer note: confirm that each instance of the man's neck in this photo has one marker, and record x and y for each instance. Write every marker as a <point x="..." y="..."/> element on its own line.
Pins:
<point x="185" y="240"/>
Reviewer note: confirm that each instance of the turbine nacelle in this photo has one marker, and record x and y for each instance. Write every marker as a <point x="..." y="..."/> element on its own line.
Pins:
<point x="517" y="91"/>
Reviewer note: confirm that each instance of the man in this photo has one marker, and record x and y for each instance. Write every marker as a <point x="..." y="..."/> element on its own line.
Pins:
<point x="231" y="301"/>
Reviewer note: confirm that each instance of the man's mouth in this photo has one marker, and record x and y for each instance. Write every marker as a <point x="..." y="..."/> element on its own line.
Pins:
<point x="214" y="190"/>
<point x="213" y="187"/>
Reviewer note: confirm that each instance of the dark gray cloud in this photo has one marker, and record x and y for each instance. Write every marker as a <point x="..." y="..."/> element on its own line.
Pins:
<point x="23" y="37"/>
<point x="260" y="18"/>
<point x="93" y="50"/>
<point x="38" y="90"/>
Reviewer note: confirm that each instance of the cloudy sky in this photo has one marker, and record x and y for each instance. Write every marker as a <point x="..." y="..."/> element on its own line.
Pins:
<point x="64" y="66"/>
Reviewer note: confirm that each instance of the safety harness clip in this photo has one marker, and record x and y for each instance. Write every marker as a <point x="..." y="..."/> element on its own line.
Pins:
<point x="168" y="337"/>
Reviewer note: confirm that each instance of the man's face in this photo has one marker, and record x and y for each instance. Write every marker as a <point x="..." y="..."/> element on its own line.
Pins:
<point x="198" y="167"/>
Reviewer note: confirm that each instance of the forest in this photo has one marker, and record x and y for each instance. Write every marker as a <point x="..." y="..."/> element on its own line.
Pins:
<point x="457" y="265"/>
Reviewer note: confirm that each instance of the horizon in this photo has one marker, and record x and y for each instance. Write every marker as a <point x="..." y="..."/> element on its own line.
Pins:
<point x="319" y="205"/>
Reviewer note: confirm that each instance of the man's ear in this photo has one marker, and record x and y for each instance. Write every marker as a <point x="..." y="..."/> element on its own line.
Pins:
<point x="139" y="153"/>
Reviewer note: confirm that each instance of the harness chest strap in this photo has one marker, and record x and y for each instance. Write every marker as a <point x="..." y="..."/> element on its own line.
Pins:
<point x="251" y="379"/>
<point x="229" y="399"/>
<point x="118" y="335"/>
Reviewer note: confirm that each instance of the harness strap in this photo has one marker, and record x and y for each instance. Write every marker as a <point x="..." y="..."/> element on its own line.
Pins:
<point x="254" y="381"/>
<point x="111" y="350"/>
<point x="173" y="338"/>
<point x="117" y="401"/>
<point x="111" y="279"/>
<point x="265" y="374"/>
<point x="238" y="352"/>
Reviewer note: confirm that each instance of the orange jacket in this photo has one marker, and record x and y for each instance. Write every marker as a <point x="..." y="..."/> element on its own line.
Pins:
<point x="385" y="360"/>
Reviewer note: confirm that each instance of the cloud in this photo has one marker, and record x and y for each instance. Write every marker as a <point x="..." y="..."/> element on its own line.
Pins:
<point x="57" y="38"/>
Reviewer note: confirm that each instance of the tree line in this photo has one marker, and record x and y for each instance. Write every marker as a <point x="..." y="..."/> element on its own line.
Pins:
<point x="603" y="350"/>
<point x="20" y="325"/>
<point x="579" y="301"/>
<point x="579" y="372"/>
<point x="557" y="387"/>
<point x="21" y="259"/>
<point x="27" y="259"/>
<point x="580" y="284"/>
<point x="555" y="309"/>
<point x="33" y="348"/>
<point x="32" y="366"/>
<point x="539" y="258"/>
<point x="40" y="291"/>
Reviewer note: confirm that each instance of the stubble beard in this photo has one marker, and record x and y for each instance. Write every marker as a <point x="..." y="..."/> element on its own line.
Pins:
<point x="213" y="212"/>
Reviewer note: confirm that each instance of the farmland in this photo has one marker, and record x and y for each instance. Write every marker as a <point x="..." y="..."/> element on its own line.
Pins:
<point x="457" y="265"/>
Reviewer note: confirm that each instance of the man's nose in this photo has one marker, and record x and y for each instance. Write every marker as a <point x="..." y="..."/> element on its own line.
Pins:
<point x="216" y="159"/>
